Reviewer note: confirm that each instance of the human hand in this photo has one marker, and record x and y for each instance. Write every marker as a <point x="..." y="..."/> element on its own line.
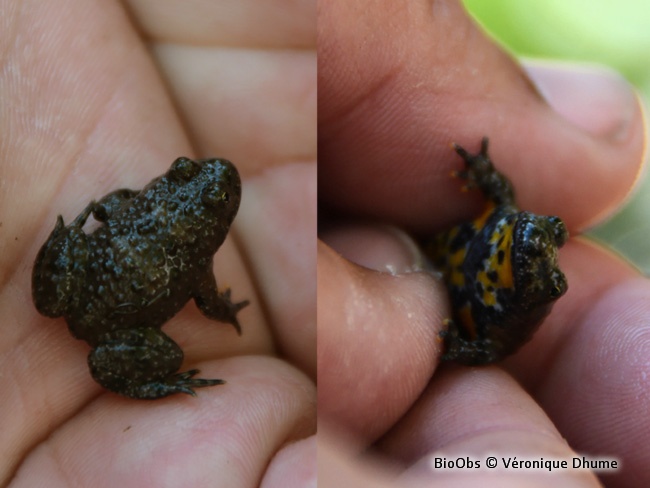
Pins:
<point x="397" y="85"/>
<point x="99" y="96"/>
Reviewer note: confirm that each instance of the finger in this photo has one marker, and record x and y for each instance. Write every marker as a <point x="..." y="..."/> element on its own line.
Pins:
<point x="379" y="247"/>
<point x="389" y="109"/>
<point x="588" y="366"/>
<point x="264" y="405"/>
<point x="251" y="23"/>
<point x="339" y="464"/>
<point x="239" y="71"/>
<point x="276" y="228"/>
<point x="256" y="107"/>
<point x="591" y="272"/>
<point x="294" y="466"/>
<point x="377" y="342"/>
<point x="473" y="413"/>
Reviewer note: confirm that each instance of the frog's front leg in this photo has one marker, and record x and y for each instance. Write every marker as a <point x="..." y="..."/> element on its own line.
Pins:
<point x="142" y="363"/>
<point x="104" y="208"/>
<point x="480" y="173"/>
<point x="215" y="305"/>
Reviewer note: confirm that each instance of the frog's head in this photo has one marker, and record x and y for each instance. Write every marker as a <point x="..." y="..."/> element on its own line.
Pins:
<point x="221" y="188"/>
<point x="215" y="182"/>
<point x="58" y="266"/>
<point x="538" y="278"/>
<point x="206" y="195"/>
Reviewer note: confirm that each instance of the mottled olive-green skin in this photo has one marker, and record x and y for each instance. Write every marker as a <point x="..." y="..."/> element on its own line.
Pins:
<point x="153" y="251"/>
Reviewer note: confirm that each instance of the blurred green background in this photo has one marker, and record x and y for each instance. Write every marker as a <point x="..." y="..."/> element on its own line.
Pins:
<point x="616" y="34"/>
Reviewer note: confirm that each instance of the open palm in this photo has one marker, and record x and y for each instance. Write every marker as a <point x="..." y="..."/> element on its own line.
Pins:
<point x="99" y="96"/>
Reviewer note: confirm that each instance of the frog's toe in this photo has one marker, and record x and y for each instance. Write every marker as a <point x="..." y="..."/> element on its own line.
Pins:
<point x="160" y="388"/>
<point x="219" y="306"/>
<point x="233" y="310"/>
<point x="185" y="382"/>
<point x="177" y="383"/>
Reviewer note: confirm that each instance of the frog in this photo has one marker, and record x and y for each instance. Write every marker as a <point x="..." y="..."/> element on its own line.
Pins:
<point x="151" y="252"/>
<point x="501" y="270"/>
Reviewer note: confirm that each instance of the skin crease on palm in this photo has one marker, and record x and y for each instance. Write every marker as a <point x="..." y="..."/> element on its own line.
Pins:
<point x="100" y="95"/>
<point x="421" y="76"/>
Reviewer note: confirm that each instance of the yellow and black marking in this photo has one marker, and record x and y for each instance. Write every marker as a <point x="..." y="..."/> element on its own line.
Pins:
<point x="500" y="269"/>
<point x="496" y="272"/>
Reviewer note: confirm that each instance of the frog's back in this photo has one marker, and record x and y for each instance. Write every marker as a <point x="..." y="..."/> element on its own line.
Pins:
<point x="143" y="261"/>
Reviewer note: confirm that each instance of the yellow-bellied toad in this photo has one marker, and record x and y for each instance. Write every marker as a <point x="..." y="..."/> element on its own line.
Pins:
<point x="118" y="285"/>
<point x="501" y="270"/>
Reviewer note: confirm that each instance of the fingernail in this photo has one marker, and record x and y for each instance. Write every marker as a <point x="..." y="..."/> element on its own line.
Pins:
<point x="379" y="247"/>
<point x="594" y="98"/>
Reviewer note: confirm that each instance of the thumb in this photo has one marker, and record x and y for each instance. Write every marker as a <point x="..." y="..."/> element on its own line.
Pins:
<point x="399" y="82"/>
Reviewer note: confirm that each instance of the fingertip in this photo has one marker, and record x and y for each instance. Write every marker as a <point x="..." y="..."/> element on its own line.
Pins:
<point x="594" y="98"/>
<point x="379" y="247"/>
<point x="470" y="414"/>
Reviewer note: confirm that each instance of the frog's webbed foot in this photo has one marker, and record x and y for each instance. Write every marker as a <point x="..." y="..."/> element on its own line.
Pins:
<point x="215" y="305"/>
<point x="143" y="364"/>
<point x="185" y="383"/>
<point x="480" y="173"/>
<point x="464" y="351"/>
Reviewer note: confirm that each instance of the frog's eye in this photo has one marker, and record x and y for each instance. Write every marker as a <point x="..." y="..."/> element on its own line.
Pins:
<point x="215" y="197"/>
<point x="556" y="291"/>
<point x="560" y="234"/>
<point x="184" y="169"/>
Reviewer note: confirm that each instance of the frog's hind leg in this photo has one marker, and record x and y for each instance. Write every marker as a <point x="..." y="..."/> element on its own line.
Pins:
<point x="465" y="351"/>
<point x="143" y="363"/>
